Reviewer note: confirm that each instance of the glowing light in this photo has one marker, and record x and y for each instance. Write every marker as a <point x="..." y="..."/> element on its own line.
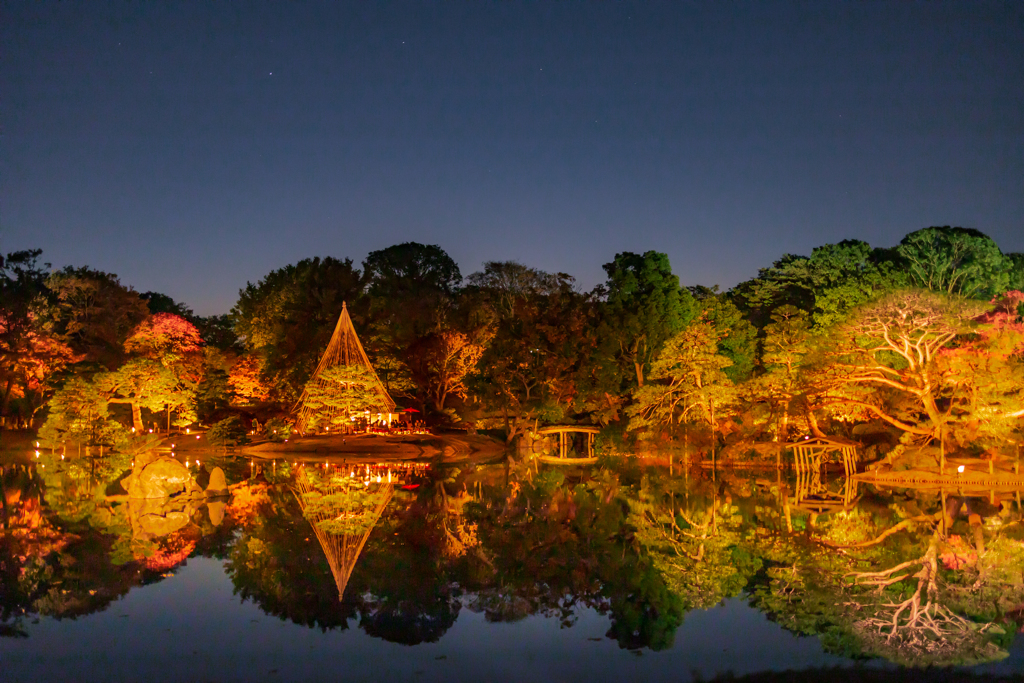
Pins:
<point x="188" y="431"/>
<point x="960" y="470"/>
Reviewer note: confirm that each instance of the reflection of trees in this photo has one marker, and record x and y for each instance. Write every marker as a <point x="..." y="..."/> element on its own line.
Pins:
<point x="916" y="610"/>
<point x="919" y="626"/>
<point x="277" y="563"/>
<point x="694" y="541"/>
<point x="555" y="547"/>
<point x="80" y="553"/>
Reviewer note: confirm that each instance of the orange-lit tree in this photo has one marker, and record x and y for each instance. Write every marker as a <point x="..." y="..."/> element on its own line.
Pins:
<point x="246" y="380"/>
<point x="687" y="381"/>
<point x="887" y="362"/>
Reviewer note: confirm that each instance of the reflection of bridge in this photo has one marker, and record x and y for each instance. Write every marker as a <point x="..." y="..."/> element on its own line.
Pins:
<point x="343" y="508"/>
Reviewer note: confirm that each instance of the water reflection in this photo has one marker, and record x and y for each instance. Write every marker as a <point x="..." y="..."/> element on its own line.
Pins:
<point x="911" y="576"/>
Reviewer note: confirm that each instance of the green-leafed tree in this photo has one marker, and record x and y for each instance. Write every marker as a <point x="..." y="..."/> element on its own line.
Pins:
<point x="955" y="261"/>
<point x="737" y="338"/>
<point x="828" y="284"/>
<point x="887" y="361"/>
<point x="412" y="289"/>
<point x="338" y="393"/>
<point x="1016" y="274"/>
<point x="288" y="317"/>
<point x="95" y="313"/>
<point x="145" y="383"/>
<point x="786" y="343"/>
<point x="644" y="307"/>
<point x="80" y="413"/>
<point x="687" y="382"/>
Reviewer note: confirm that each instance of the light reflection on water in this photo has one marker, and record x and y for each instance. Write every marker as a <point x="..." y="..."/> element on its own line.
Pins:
<point x="490" y="573"/>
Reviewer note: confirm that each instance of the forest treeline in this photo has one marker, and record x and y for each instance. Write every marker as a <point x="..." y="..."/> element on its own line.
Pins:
<point x="924" y="339"/>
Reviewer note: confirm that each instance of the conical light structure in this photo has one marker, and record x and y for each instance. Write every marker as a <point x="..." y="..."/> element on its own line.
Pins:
<point x="344" y="350"/>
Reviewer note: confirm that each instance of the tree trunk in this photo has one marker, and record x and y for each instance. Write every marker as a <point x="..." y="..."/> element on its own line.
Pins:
<point x="812" y="422"/>
<point x="7" y="396"/>
<point x="784" y="424"/>
<point x="639" y="373"/>
<point x="136" y="417"/>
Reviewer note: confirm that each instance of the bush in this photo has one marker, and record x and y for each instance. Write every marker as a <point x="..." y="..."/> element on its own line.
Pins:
<point x="228" y="432"/>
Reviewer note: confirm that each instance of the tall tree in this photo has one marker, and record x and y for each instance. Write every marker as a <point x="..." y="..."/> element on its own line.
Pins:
<point x="95" y="313"/>
<point x="412" y="290"/>
<point x="644" y="307"/>
<point x="288" y="318"/>
<point x="687" y="381"/>
<point x="832" y="281"/>
<point x="537" y="363"/>
<point x="960" y="261"/>
<point x="30" y="352"/>
<point x="786" y="343"/>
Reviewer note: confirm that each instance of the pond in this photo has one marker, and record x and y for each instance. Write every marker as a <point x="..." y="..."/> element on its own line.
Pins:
<point x="289" y="569"/>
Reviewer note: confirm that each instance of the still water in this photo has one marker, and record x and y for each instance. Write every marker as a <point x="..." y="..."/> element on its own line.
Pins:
<point x="342" y="570"/>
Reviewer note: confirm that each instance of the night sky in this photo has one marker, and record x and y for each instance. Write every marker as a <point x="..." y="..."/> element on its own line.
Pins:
<point x="193" y="147"/>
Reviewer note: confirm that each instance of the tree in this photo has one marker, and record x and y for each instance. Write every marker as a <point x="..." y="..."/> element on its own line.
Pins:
<point x="79" y="412"/>
<point x="412" y="289"/>
<point x="1016" y="275"/>
<point x="955" y="261"/>
<point x="785" y="345"/>
<point x="95" y="313"/>
<point x="986" y="369"/>
<point x="145" y="383"/>
<point x="339" y="393"/>
<point x="687" y="380"/>
<point x="288" y="318"/>
<point x="643" y="308"/>
<point x="30" y="352"/>
<point x="537" y="361"/>
<point x="245" y="381"/>
<point x="832" y="281"/>
<point x="737" y="337"/>
<point x="450" y="357"/>
<point x="506" y="283"/>
<point x="161" y="303"/>
<point x="887" y="360"/>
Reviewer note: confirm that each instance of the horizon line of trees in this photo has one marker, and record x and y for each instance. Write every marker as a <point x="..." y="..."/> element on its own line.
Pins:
<point x="924" y="337"/>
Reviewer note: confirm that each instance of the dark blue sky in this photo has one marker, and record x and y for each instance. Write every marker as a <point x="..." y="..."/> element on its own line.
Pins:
<point x="192" y="147"/>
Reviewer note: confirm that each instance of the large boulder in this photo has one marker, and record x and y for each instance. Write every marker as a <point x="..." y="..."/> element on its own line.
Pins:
<point x="159" y="477"/>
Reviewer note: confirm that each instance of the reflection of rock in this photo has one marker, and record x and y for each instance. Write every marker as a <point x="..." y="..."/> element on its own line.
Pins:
<point x="218" y="483"/>
<point x="153" y="518"/>
<point x="162" y="496"/>
<point x="159" y="477"/>
<point x="216" y="510"/>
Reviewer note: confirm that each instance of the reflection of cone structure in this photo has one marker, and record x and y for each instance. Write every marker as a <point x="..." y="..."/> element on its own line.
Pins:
<point x="344" y="349"/>
<point x="342" y="550"/>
